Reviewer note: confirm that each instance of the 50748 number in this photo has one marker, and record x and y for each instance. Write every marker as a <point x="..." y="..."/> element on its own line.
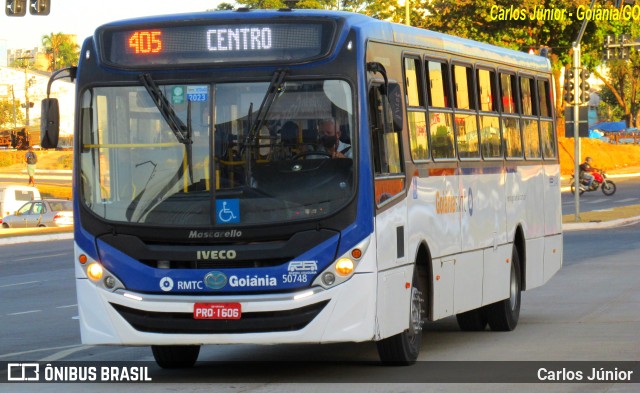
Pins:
<point x="291" y="278"/>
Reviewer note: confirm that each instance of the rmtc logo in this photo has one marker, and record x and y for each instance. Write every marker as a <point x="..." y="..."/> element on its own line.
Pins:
<point x="205" y="255"/>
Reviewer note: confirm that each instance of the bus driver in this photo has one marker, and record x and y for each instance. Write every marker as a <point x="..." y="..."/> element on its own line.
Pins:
<point x="329" y="133"/>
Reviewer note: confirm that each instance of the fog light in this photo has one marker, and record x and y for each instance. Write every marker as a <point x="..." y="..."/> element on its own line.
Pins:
<point x="328" y="278"/>
<point x="344" y="266"/>
<point x="109" y="282"/>
<point x="94" y="271"/>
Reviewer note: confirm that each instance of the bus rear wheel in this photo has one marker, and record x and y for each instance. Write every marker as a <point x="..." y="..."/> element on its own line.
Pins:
<point x="403" y="348"/>
<point x="503" y="316"/>
<point x="175" y="356"/>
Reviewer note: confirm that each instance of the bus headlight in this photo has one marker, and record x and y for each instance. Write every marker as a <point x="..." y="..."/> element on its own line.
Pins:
<point x="345" y="266"/>
<point x="95" y="271"/>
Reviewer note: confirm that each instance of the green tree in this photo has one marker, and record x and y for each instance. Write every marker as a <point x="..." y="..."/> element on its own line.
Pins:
<point x="224" y="7"/>
<point x="475" y="19"/>
<point x="7" y="112"/>
<point x="276" y="4"/>
<point x="61" y="50"/>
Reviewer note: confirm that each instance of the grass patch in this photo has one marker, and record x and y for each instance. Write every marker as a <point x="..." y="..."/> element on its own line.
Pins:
<point x="608" y="215"/>
<point x="9" y="158"/>
<point x="54" y="191"/>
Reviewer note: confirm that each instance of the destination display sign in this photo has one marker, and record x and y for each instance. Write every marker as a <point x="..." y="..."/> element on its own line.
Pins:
<point x="211" y="44"/>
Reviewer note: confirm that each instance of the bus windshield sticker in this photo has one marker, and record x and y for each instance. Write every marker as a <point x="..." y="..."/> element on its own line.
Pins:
<point x="197" y="93"/>
<point x="227" y="211"/>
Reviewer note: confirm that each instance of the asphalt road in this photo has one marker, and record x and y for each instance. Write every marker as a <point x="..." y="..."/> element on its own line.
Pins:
<point x="590" y="311"/>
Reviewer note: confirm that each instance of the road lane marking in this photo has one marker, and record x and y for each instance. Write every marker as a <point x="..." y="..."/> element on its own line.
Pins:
<point x="20" y="283"/>
<point x="70" y="305"/>
<point x="64" y="353"/>
<point x="627" y="200"/>
<point x="596" y="201"/>
<point x="12" y="355"/>
<point x="25" y="312"/>
<point x="44" y="256"/>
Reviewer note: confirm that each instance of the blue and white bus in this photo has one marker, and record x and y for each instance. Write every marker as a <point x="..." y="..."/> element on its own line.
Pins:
<point x="298" y="176"/>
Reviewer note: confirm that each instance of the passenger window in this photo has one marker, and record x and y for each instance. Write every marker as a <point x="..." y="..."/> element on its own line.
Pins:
<point x="544" y="98"/>
<point x="467" y="135"/>
<point x="526" y="97"/>
<point x="463" y="87"/>
<point x="507" y="83"/>
<point x="413" y="82"/>
<point x="486" y="90"/>
<point x="548" y="135"/>
<point x="531" y="138"/>
<point x="512" y="138"/>
<point x="438" y="79"/>
<point x="441" y="135"/>
<point x="38" y="208"/>
<point x="418" y="136"/>
<point x="490" y="137"/>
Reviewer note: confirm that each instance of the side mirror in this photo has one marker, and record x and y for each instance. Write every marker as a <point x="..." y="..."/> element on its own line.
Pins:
<point x="50" y="123"/>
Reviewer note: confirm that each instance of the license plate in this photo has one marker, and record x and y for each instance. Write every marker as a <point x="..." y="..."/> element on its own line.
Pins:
<point x="217" y="311"/>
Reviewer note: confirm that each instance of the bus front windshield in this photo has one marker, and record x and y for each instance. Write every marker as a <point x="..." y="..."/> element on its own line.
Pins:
<point x="202" y="155"/>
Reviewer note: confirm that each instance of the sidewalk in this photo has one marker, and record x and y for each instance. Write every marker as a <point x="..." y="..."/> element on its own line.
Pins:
<point x="30" y="235"/>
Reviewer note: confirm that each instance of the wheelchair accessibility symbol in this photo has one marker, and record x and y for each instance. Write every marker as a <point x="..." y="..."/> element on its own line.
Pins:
<point x="228" y="211"/>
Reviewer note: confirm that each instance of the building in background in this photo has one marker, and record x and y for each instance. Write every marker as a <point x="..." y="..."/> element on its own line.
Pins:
<point x="14" y="82"/>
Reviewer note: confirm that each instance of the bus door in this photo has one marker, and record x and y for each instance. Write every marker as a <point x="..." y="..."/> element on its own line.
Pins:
<point x="389" y="183"/>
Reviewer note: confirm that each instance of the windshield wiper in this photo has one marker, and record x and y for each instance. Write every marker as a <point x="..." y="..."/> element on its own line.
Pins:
<point x="273" y="91"/>
<point x="183" y="132"/>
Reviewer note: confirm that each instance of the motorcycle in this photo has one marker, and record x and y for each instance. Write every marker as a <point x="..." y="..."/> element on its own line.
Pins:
<point x="600" y="180"/>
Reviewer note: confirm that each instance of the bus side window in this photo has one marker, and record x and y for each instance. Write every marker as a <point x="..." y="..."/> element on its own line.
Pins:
<point x="385" y="147"/>
<point x="440" y="115"/>
<point x="547" y="132"/>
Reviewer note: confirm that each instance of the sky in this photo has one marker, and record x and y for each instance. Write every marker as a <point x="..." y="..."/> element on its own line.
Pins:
<point x="82" y="17"/>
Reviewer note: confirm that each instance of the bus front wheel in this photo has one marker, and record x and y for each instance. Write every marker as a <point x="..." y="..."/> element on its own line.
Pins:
<point x="503" y="316"/>
<point x="175" y="356"/>
<point x="403" y="348"/>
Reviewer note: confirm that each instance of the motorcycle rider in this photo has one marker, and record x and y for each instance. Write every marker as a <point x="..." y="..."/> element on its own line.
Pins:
<point x="585" y="171"/>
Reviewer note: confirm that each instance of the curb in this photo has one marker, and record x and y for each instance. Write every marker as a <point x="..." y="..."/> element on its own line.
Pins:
<point x="585" y="226"/>
<point x="36" y="238"/>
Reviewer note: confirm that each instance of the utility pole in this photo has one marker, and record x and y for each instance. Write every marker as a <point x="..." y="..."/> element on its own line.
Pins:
<point x="576" y="112"/>
<point x="27" y="84"/>
<point x="13" y="104"/>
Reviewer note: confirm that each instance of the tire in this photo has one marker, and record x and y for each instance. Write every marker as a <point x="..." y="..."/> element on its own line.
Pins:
<point x="472" y="321"/>
<point x="175" y="356"/>
<point x="503" y="316"/>
<point x="5" y="225"/>
<point x="403" y="348"/>
<point x="573" y="189"/>
<point x="608" y="187"/>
